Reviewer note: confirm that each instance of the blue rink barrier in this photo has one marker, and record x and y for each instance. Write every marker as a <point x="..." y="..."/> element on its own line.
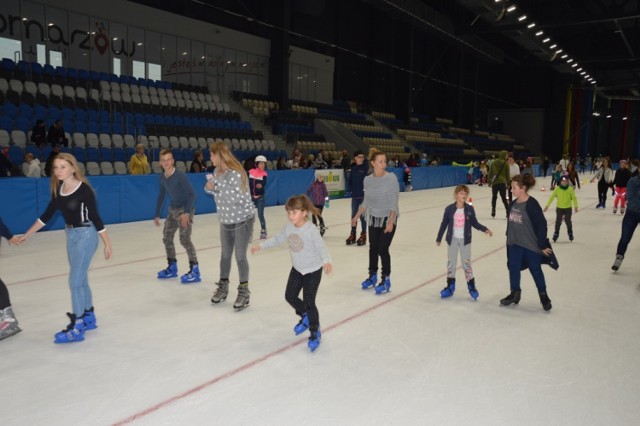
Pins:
<point x="127" y="198"/>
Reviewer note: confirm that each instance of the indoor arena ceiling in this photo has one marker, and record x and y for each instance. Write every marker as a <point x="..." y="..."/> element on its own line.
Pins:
<point x="601" y="37"/>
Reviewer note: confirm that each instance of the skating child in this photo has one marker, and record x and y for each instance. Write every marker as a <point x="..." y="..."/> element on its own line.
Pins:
<point x="8" y="321"/>
<point x="566" y="197"/>
<point x="604" y="176"/>
<point x="556" y="176"/>
<point x="182" y="197"/>
<point x="74" y="197"/>
<point x="309" y="256"/>
<point x="318" y="194"/>
<point x="622" y="176"/>
<point x="483" y="173"/>
<point x="257" y="185"/>
<point x="458" y="219"/>
<point x="407" y="177"/>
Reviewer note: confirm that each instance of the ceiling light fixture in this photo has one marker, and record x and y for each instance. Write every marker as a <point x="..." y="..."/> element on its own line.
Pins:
<point x="558" y="51"/>
<point x="522" y="18"/>
<point x="564" y="56"/>
<point x="531" y="25"/>
<point x="511" y="8"/>
<point x="553" y="46"/>
<point x="580" y="69"/>
<point x="539" y="33"/>
<point x="546" y="40"/>
<point x="574" y="65"/>
<point x="569" y="60"/>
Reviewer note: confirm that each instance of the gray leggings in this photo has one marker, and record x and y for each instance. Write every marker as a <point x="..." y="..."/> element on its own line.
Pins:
<point x="235" y="236"/>
<point x="457" y="246"/>
<point x="171" y="225"/>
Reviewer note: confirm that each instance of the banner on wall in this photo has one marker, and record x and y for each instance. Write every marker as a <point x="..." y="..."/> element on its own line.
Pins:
<point x="334" y="179"/>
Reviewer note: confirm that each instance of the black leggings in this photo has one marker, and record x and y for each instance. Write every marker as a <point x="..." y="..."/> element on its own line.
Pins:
<point x="313" y="217"/>
<point x="379" y="243"/>
<point x="603" y="188"/>
<point x="309" y="284"/>
<point x="4" y="296"/>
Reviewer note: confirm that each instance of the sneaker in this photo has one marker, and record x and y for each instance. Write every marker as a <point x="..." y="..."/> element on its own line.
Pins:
<point x="193" y="276"/>
<point x="73" y="333"/>
<point x="314" y="340"/>
<point x="221" y="292"/>
<point x="8" y="323"/>
<point x="370" y="282"/>
<point x="263" y="234"/>
<point x="242" y="301"/>
<point x="384" y="286"/>
<point x="170" y="272"/>
<point x="617" y="262"/>
<point x="302" y="326"/>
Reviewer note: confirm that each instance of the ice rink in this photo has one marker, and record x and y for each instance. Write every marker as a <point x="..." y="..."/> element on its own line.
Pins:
<point x="164" y="355"/>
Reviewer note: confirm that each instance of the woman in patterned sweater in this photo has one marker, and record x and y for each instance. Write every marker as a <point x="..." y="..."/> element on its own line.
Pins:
<point x="230" y="189"/>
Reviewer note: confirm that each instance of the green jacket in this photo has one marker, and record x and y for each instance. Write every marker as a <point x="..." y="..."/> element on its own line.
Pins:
<point x="499" y="170"/>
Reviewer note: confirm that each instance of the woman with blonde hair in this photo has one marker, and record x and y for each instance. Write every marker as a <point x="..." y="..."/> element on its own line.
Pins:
<point x="230" y="189"/>
<point x="74" y="197"/>
<point x="139" y="164"/>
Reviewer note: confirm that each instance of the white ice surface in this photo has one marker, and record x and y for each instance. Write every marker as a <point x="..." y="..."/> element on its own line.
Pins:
<point x="164" y="355"/>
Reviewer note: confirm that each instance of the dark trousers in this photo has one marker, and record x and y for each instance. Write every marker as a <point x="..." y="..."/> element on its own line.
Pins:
<point x="379" y="243"/>
<point x="502" y="189"/>
<point x="563" y="214"/>
<point x="4" y="296"/>
<point x="308" y="284"/>
<point x="516" y="255"/>
<point x="313" y="217"/>
<point x="629" y="224"/>
<point x="603" y="188"/>
<point x="355" y="205"/>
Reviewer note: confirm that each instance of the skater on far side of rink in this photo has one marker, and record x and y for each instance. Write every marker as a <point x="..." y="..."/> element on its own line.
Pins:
<point x="257" y="185"/>
<point x="630" y="220"/>
<point x="620" y="179"/>
<point x="309" y="256"/>
<point x="604" y="176"/>
<point x="381" y="193"/>
<point x="566" y="197"/>
<point x="72" y="195"/>
<point x="230" y="189"/>
<point x="318" y="194"/>
<point x="498" y="180"/>
<point x="457" y="220"/>
<point x="359" y="170"/>
<point x="8" y="321"/>
<point x="527" y="242"/>
<point x="182" y="197"/>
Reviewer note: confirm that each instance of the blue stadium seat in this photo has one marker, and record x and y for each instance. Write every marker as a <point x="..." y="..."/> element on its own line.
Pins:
<point x="92" y="154"/>
<point x="80" y="153"/>
<point x="106" y="154"/>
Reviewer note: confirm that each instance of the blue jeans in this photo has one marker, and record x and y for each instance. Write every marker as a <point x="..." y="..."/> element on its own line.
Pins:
<point x="82" y="244"/>
<point x="355" y="204"/>
<point x="259" y="203"/>
<point x="629" y="224"/>
<point x="516" y="256"/>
